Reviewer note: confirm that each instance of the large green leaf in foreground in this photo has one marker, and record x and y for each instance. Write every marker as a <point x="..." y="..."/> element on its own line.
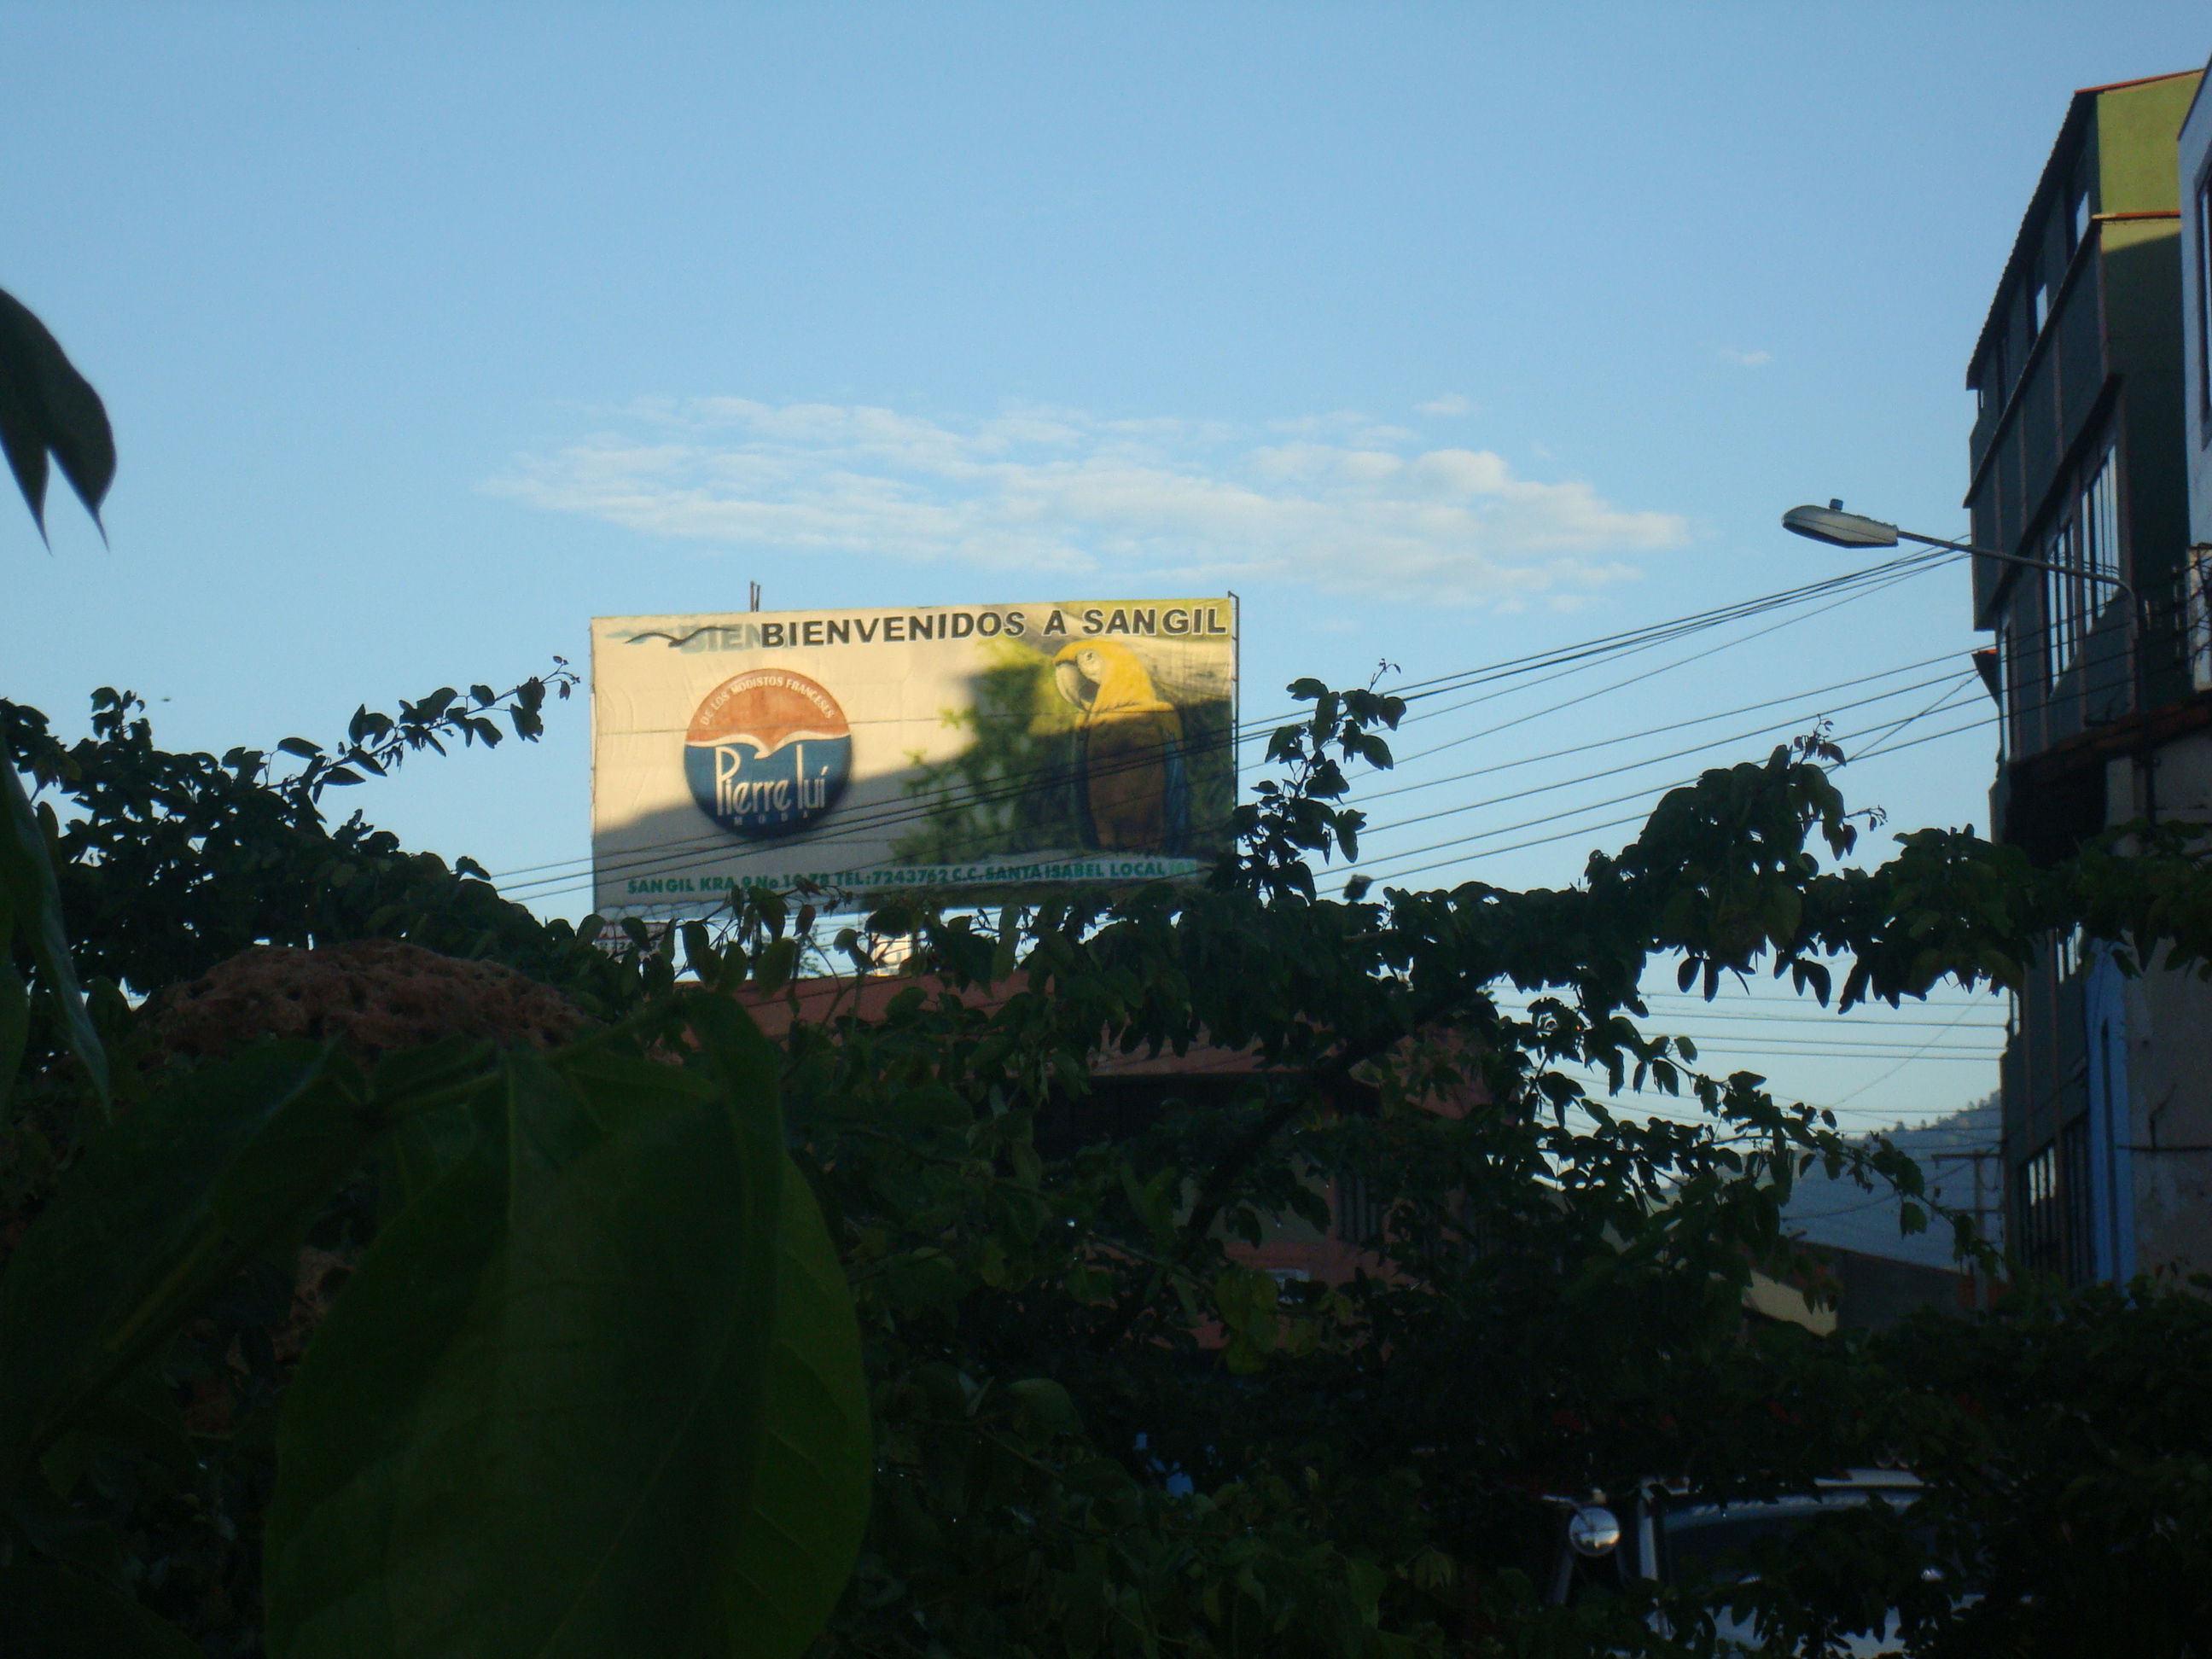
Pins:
<point x="161" y="1211"/>
<point x="810" y="1499"/>
<point x="47" y="407"/>
<point x="30" y="909"/>
<point x="596" y="1394"/>
<point x="48" y="1613"/>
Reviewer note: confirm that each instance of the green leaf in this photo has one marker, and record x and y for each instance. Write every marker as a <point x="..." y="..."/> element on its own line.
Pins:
<point x="772" y="970"/>
<point x="36" y="902"/>
<point x="66" y="1536"/>
<point x="1048" y="1402"/>
<point x="161" y="1210"/>
<point x="596" y="1393"/>
<point x="48" y="1613"/>
<point x="1248" y="1300"/>
<point x="700" y="954"/>
<point x="14" y="1023"/>
<point x="810" y="1501"/>
<point x="47" y="405"/>
<point x="137" y="1414"/>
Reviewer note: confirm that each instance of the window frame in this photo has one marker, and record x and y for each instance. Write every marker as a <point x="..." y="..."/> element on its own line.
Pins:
<point x="2006" y="677"/>
<point x="2197" y="616"/>
<point x="2063" y="622"/>
<point x="2041" y="1242"/>
<point x="2086" y="536"/>
<point x="2200" y="201"/>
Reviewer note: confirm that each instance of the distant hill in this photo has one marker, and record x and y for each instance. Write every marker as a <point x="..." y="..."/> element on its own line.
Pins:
<point x="1844" y="1215"/>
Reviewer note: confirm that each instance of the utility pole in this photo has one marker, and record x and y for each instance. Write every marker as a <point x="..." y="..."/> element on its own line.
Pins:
<point x="1980" y="1211"/>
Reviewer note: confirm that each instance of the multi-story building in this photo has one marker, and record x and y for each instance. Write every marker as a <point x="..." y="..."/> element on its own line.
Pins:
<point x="2195" y="178"/>
<point x="2080" y="457"/>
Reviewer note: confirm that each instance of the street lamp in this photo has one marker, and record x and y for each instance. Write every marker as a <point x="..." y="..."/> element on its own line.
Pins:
<point x="1832" y="525"/>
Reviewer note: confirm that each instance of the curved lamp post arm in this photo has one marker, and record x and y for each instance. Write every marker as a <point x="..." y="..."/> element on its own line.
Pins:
<point x="1832" y="525"/>
<point x="2016" y="558"/>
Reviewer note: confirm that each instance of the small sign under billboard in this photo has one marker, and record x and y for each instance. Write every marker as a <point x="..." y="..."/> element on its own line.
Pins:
<point x="868" y="751"/>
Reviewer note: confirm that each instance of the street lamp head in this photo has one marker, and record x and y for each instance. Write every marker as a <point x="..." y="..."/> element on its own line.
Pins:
<point x="1831" y="523"/>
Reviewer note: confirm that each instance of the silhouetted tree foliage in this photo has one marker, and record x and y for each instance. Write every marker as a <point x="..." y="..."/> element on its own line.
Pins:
<point x="627" y="1331"/>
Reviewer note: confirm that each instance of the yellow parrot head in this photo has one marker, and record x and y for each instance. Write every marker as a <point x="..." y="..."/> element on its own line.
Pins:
<point x="1099" y="675"/>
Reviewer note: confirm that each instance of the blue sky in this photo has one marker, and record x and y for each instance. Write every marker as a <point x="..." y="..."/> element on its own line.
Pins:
<point x="1441" y="333"/>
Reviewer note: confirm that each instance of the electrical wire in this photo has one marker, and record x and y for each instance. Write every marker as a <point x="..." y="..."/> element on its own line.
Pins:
<point x="1940" y="700"/>
<point x="1705" y="1011"/>
<point x="1680" y="662"/>
<point x="1798" y="698"/>
<point x="1791" y="1218"/>
<point x="669" y="855"/>
<point x="1506" y="829"/>
<point x="1442" y="684"/>
<point x="1899" y="1066"/>
<point x="666" y="858"/>
<point x="1951" y="681"/>
<point x="1566" y="658"/>
<point x="1398" y="874"/>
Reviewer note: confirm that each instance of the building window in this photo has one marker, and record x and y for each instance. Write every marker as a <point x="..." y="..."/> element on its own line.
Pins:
<point x="2038" y="302"/>
<point x="2202" y="206"/>
<point x="2077" y="219"/>
<point x="2078" y="1195"/>
<point x="2005" y="715"/>
<point x="2087" y="539"/>
<point x="2053" y="1197"/>
<point x="2066" y="953"/>
<point x="2197" y="616"/>
<point x="2100" y="522"/>
<point x="1360" y="1212"/>
<point x="2062" y="591"/>
<point x="2042" y="1228"/>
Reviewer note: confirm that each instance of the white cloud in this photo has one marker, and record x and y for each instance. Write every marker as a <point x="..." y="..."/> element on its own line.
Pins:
<point x="1342" y="503"/>
<point x="1746" y="359"/>
<point x="1449" y="403"/>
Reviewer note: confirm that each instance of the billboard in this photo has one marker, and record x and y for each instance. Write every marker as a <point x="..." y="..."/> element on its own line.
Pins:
<point x="973" y="749"/>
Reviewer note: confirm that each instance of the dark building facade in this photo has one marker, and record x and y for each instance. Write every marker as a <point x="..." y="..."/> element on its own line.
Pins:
<point x="2079" y="458"/>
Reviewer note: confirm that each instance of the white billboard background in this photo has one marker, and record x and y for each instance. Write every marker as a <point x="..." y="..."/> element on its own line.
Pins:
<point x="870" y="751"/>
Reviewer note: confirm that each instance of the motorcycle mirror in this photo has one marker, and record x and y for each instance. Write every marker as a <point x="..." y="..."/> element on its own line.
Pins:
<point x="1593" y="1530"/>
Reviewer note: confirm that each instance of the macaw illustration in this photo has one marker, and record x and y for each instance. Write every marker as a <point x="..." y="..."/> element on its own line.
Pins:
<point x="1131" y="782"/>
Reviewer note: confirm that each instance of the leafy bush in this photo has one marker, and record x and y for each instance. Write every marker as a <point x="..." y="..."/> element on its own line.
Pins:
<point x="637" y="1343"/>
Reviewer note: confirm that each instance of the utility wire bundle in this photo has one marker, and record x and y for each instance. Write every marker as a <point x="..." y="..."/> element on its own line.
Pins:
<point x="1434" y="698"/>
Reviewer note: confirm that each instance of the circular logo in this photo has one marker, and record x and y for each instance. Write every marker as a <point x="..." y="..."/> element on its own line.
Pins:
<point x="767" y="753"/>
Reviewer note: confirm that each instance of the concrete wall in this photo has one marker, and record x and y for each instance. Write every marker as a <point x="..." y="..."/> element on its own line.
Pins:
<point x="2196" y="160"/>
<point x="2169" y="1160"/>
<point x="2163" y="1061"/>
